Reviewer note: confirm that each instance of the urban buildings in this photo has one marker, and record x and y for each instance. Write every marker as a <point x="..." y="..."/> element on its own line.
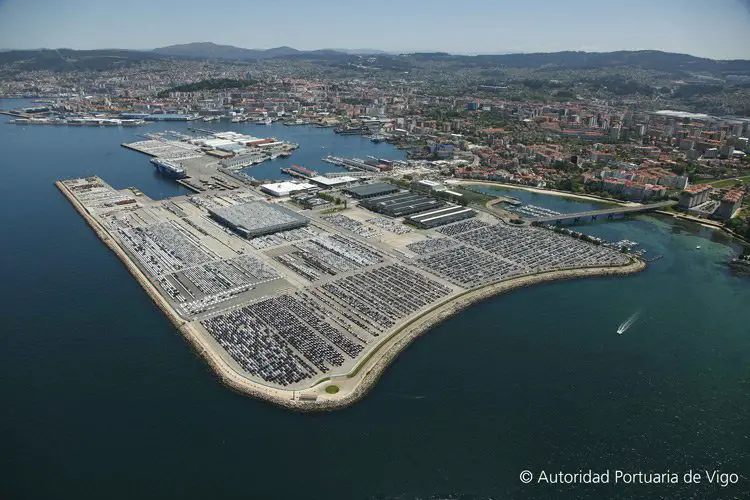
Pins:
<point x="693" y="196"/>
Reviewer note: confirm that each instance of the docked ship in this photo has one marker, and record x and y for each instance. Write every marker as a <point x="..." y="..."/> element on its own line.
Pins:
<point x="377" y="138"/>
<point x="350" y="130"/>
<point x="170" y="169"/>
<point x="298" y="171"/>
<point x="296" y="123"/>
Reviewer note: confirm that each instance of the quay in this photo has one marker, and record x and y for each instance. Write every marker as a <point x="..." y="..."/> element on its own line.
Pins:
<point x="272" y="296"/>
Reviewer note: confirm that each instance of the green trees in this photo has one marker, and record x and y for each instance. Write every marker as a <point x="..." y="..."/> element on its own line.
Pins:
<point x="213" y="84"/>
<point x="739" y="225"/>
<point x="570" y="184"/>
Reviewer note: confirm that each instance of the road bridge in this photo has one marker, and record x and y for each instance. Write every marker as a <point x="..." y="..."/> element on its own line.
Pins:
<point x="607" y="213"/>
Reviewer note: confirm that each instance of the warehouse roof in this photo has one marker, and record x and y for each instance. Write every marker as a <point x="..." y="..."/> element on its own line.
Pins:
<point x="441" y="213"/>
<point x="372" y="189"/>
<point x="259" y="217"/>
<point x="332" y="181"/>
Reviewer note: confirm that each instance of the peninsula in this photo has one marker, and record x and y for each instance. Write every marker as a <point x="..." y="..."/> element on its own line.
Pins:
<point x="306" y="308"/>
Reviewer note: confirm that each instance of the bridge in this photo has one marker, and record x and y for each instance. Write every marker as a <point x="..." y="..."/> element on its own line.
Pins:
<point x="608" y="213"/>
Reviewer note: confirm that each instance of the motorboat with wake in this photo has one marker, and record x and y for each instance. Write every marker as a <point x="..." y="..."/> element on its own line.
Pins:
<point x="627" y="323"/>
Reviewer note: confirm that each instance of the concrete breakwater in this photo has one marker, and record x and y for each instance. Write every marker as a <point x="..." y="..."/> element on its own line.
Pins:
<point x="370" y="370"/>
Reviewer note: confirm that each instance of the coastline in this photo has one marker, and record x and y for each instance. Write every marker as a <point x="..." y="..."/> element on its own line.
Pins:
<point x="709" y="224"/>
<point x="362" y="378"/>
<point x="369" y="371"/>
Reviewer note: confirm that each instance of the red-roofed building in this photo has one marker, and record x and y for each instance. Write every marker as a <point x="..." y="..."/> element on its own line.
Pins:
<point x="694" y="195"/>
<point x="730" y="204"/>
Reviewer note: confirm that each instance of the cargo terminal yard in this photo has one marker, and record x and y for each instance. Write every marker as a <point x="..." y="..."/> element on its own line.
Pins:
<point x="306" y="308"/>
<point x="208" y="161"/>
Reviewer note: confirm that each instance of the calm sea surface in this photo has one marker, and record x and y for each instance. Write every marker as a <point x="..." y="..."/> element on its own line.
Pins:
<point x="101" y="398"/>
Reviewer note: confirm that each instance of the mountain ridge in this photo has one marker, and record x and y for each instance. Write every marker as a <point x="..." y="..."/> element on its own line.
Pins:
<point x="678" y="65"/>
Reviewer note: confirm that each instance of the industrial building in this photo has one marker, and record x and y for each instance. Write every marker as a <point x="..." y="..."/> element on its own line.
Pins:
<point x="258" y="218"/>
<point x="402" y="204"/>
<point x="242" y="160"/>
<point x="331" y="182"/>
<point x="310" y="201"/>
<point x="441" y="216"/>
<point x="280" y="189"/>
<point x="371" y="190"/>
<point x="427" y="185"/>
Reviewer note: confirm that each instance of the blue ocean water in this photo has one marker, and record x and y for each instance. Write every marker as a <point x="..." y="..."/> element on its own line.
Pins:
<point x="103" y="399"/>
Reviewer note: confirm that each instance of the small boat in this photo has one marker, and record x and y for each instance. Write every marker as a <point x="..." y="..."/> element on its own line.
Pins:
<point x="698" y="247"/>
<point x="627" y="323"/>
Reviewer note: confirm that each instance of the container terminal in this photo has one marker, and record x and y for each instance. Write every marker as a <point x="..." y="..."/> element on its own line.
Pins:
<point x="286" y="304"/>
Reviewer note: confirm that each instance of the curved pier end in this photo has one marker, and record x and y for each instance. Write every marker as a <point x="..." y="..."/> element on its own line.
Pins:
<point x="355" y="386"/>
<point x="336" y="391"/>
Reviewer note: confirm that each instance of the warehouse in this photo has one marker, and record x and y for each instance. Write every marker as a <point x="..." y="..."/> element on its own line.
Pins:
<point x="258" y="218"/>
<point x="279" y="189"/>
<point x="435" y="218"/>
<point x="371" y="190"/>
<point x="402" y="204"/>
<point x="331" y="182"/>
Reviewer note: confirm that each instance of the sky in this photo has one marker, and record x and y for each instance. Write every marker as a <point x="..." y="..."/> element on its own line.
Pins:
<point x="718" y="29"/>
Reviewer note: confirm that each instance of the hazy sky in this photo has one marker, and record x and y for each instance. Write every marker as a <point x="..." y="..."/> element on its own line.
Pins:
<point x="718" y="29"/>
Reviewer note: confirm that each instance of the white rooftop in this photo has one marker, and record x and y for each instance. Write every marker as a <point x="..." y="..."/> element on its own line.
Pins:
<point x="333" y="181"/>
<point x="285" y="188"/>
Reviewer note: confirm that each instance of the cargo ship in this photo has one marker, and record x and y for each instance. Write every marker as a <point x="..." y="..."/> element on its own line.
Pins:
<point x="350" y="130"/>
<point x="298" y="171"/>
<point x="170" y="169"/>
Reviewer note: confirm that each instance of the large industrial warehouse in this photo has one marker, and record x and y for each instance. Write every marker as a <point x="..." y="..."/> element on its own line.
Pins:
<point x="371" y="190"/>
<point x="401" y="204"/>
<point x="258" y="218"/>
<point x="435" y="218"/>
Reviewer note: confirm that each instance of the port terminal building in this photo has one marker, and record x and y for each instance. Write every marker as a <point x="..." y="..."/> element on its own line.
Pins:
<point x="258" y="218"/>
<point x="402" y="204"/>
<point x="280" y="189"/>
<point x="333" y="182"/>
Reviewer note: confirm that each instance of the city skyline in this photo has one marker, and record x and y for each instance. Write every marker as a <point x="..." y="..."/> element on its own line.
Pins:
<point x="720" y="30"/>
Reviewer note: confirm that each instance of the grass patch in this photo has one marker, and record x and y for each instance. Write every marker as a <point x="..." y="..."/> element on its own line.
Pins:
<point x="332" y="389"/>
<point x="471" y="196"/>
<point x="724" y="183"/>
<point x="332" y="210"/>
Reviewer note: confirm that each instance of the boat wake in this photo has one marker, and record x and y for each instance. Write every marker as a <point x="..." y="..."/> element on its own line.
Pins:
<point x="628" y="323"/>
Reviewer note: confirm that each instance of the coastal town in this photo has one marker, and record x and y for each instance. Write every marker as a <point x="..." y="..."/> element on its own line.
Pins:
<point x="386" y="251"/>
<point x="614" y="148"/>
<point x="300" y="288"/>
